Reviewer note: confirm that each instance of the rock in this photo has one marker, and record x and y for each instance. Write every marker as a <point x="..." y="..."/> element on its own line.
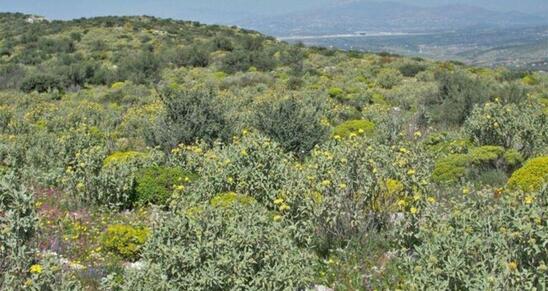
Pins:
<point x="321" y="288"/>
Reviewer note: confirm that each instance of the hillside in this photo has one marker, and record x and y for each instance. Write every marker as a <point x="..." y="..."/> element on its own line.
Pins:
<point x="140" y="153"/>
<point x="375" y="16"/>
<point x="520" y="47"/>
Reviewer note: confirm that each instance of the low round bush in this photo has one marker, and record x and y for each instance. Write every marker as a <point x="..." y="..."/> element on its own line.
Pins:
<point x="389" y="78"/>
<point x="335" y="92"/>
<point x="155" y="185"/>
<point x="485" y="154"/>
<point x="354" y="127"/>
<point x="513" y="157"/>
<point x="124" y="240"/>
<point x="532" y="176"/>
<point x="451" y="168"/>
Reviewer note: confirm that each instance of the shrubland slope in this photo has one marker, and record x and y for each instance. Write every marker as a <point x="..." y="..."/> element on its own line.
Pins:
<point x="154" y="154"/>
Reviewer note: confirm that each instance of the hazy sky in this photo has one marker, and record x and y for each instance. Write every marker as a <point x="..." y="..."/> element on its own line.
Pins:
<point x="221" y="11"/>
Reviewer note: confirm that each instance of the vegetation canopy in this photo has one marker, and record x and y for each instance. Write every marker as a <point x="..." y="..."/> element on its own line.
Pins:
<point x="139" y="153"/>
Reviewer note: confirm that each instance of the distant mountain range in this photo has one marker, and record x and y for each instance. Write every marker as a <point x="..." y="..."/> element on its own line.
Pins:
<point x="371" y="16"/>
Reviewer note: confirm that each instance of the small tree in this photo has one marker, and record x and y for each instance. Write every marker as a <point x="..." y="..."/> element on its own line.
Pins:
<point x="294" y="123"/>
<point x="190" y="115"/>
<point x="458" y="92"/>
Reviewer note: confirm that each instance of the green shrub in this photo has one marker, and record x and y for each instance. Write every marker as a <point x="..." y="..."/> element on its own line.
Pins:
<point x="220" y="249"/>
<point x="350" y="181"/>
<point x="141" y="67"/>
<point x="479" y="242"/>
<point x="532" y="176"/>
<point x="482" y="164"/>
<point x="41" y="83"/>
<point x="125" y="241"/>
<point x="18" y="222"/>
<point x="253" y="166"/>
<point x="411" y="69"/>
<point x="293" y="122"/>
<point x="354" y="127"/>
<point x="241" y="60"/>
<point x="451" y="168"/>
<point x="190" y="115"/>
<point x="485" y="155"/>
<point x="513" y="157"/>
<point x="335" y="92"/>
<point x="95" y="178"/>
<point x="521" y="127"/>
<point x="529" y="80"/>
<point x="194" y="56"/>
<point x="458" y="92"/>
<point x="155" y="185"/>
<point x="492" y="177"/>
<point x="20" y="266"/>
<point x="389" y="78"/>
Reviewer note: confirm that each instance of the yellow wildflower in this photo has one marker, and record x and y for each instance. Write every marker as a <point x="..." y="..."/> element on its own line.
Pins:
<point x="243" y="153"/>
<point x="401" y="203"/>
<point x="278" y="201"/>
<point x="284" y="207"/>
<point x="512" y="266"/>
<point x="277" y="217"/>
<point x="411" y="172"/>
<point x="465" y="190"/>
<point x="414" y="210"/>
<point x="337" y="137"/>
<point x="180" y="188"/>
<point x="342" y="186"/>
<point x="326" y="183"/>
<point x="529" y="199"/>
<point x="431" y="200"/>
<point x="36" y="269"/>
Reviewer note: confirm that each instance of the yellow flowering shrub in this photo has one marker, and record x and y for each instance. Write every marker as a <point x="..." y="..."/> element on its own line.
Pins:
<point x="533" y="176"/>
<point x="124" y="240"/>
<point x="354" y="128"/>
<point x="118" y="158"/>
<point x="226" y="200"/>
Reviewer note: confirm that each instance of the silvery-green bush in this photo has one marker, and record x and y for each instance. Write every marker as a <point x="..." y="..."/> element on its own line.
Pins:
<point x="479" y="242"/>
<point x="239" y="247"/>
<point x="22" y="267"/>
<point x="18" y="223"/>
<point x="522" y="127"/>
<point x="252" y="165"/>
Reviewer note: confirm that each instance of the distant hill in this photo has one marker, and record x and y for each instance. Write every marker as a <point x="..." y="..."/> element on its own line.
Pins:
<point x="353" y="16"/>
